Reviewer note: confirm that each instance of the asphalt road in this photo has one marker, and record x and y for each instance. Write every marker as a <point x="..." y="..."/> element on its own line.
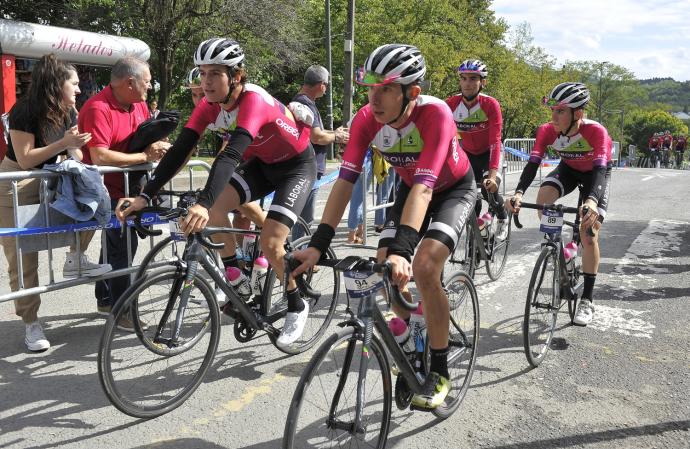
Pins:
<point x="622" y="382"/>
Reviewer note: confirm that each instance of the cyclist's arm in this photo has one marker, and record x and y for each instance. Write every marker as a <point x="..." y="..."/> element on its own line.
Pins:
<point x="530" y="171"/>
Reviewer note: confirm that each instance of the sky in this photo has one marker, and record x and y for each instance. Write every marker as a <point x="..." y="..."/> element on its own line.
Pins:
<point x="649" y="38"/>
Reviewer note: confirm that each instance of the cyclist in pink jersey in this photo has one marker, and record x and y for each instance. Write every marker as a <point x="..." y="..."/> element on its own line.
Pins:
<point x="585" y="150"/>
<point x="416" y="134"/>
<point x="479" y="121"/>
<point x="268" y="151"/>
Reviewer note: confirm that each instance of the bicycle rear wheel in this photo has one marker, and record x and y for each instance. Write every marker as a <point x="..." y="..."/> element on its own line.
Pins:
<point x="463" y="339"/>
<point x="144" y="376"/>
<point x="322" y="410"/>
<point x="325" y="280"/>
<point x="498" y="250"/>
<point x="541" y="307"/>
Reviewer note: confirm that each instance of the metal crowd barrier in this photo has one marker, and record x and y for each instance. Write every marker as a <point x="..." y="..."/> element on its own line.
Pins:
<point x="55" y="236"/>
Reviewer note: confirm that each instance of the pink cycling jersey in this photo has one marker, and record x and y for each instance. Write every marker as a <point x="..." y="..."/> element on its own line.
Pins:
<point x="590" y="147"/>
<point x="479" y="126"/>
<point x="424" y="150"/>
<point x="277" y="135"/>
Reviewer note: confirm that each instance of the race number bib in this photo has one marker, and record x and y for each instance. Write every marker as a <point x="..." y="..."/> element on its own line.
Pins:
<point x="175" y="231"/>
<point x="359" y="284"/>
<point x="551" y="222"/>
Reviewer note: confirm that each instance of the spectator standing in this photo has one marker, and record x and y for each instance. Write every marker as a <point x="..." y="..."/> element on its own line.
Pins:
<point x="112" y="116"/>
<point x="153" y="110"/>
<point x="42" y="127"/>
<point x="314" y="87"/>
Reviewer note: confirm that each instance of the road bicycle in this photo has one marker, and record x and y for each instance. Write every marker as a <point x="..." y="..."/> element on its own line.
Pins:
<point x="168" y="249"/>
<point x="476" y="245"/>
<point x="344" y="396"/>
<point x="554" y="283"/>
<point x="177" y="323"/>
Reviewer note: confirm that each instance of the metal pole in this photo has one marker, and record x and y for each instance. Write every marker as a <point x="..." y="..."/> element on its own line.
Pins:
<point x="329" y="56"/>
<point x="349" y="61"/>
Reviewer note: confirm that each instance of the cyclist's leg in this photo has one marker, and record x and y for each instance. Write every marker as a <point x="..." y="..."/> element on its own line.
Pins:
<point x="557" y="184"/>
<point x="253" y="212"/>
<point x="449" y="211"/>
<point x="590" y="244"/>
<point x="296" y="177"/>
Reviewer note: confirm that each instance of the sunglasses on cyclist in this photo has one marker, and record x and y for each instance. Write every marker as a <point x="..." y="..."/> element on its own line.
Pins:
<point x="364" y="78"/>
<point x="550" y="102"/>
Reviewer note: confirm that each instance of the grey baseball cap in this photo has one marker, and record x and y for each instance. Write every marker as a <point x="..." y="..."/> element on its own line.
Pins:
<point x="316" y="74"/>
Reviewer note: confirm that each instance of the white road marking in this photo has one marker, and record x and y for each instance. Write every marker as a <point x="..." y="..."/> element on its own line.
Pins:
<point x="646" y="252"/>
<point x="623" y="321"/>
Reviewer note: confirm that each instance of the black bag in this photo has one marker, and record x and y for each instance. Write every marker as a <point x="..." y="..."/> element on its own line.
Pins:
<point x="150" y="131"/>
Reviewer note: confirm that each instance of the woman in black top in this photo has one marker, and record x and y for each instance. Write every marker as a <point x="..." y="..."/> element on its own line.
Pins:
<point x="42" y="126"/>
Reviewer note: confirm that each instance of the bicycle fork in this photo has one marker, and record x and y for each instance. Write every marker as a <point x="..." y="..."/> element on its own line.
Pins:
<point x="184" y="288"/>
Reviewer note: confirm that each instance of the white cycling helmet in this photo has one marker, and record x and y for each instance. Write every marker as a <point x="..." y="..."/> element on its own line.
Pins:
<point x="219" y="51"/>
<point x="571" y="95"/>
<point x="193" y="78"/>
<point x="392" y="63"/>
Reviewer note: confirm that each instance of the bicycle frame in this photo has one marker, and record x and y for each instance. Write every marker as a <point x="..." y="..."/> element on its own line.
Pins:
<point x="193" y="256"/>
<point x="369" y="316"/>
<point x="480" y="241"/>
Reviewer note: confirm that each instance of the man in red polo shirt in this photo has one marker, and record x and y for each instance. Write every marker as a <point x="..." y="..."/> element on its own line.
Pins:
<point x="112" y="116"/>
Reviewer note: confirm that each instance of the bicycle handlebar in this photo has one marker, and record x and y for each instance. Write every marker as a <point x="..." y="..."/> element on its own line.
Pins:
<point x="170" y="214"/>
<point x="350" y="263"/>
<point x="556" y="207"/>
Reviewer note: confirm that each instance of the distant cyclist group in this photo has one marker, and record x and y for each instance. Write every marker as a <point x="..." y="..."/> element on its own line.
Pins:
<point x="667" y="150"/>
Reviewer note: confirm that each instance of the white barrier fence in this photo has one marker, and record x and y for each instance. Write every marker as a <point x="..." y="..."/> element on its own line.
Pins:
<point x="52" y="235"/>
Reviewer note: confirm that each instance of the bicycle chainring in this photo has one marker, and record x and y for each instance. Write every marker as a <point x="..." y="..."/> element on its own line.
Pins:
<point x="242" y="330"/>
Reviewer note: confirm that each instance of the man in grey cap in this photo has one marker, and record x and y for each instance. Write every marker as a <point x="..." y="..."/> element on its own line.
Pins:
<point x="315" y="85"/>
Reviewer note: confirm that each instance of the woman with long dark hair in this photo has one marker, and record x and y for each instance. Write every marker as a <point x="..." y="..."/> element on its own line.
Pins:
<point x="42" y="127"/>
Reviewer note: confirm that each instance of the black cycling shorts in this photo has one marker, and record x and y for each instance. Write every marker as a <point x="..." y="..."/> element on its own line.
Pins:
<point x="565" y="179"/>
<point x="291" y="180"/>
<point x="445" y="217"/>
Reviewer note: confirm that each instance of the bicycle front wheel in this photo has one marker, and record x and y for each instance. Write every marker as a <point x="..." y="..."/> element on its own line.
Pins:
<point x="322" y="411"/>
<point x="463" y="338"/>
<point x="541" y="307"/>
<point x="498" y="253"/>
<point x="153" y="371"/>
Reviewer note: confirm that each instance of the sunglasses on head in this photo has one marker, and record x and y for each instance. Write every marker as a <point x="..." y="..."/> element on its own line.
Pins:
<point x="553" y="104"/>
<point x="364" y="78"/>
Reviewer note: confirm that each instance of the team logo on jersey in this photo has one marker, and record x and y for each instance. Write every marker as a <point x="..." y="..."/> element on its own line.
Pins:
<point x="571" y="146"/>
<point x="386" y="141"/>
